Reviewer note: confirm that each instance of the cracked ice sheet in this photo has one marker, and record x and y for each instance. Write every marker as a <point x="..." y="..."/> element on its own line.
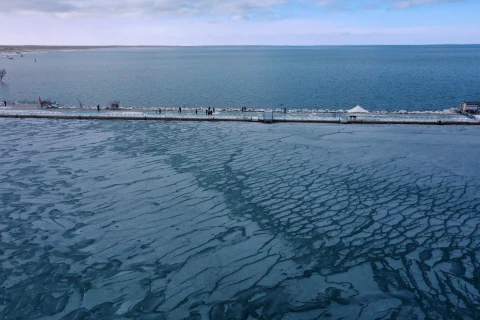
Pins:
<point x="174" y="220"/>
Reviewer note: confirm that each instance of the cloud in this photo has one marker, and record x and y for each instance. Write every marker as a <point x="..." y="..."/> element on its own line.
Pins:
<point x="353" y="5"/>
<point x="141" y="7"/>
<point x="224" y="32"/>
<point x="234" y="9"/>
<point x="405" y="4"/>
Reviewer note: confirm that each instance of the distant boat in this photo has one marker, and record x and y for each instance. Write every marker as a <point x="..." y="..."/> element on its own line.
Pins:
<point x="11" y="58"/>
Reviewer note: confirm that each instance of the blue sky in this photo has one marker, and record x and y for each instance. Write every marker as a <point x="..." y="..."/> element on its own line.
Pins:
<point x="239" y="22"/>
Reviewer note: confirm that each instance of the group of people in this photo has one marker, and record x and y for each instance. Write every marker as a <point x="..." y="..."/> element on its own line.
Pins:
<point x="208" y="112"/>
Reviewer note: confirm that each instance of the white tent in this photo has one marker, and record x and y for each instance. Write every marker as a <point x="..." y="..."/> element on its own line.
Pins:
<point x="357" y="109"/>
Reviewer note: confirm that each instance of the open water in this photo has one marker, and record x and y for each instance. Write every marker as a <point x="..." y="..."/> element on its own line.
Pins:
<point x="184" y="220"/>
<point x="414" y="78"/>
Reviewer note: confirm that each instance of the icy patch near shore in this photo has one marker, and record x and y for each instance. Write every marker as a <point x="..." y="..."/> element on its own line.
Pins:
<point x="170" y="220"/>
<point x="256" y="110"/>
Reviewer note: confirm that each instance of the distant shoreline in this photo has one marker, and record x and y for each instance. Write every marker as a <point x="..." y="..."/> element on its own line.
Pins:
<point x="26" y="49"/>
<point x="12" y="49"/>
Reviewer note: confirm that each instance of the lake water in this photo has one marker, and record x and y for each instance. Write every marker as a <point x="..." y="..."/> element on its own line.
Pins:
<point x="191" y="220"/>
<point x="376" y="77"/>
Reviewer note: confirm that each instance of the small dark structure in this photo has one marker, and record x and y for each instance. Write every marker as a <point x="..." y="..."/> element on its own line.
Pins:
<point x="115" y="105"/>
<point x="46" y="104"/>
<point x="470" y="106"/>
<point x="268" y="116"/>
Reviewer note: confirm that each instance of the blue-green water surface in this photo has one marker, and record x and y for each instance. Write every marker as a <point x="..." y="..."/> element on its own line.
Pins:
<point x="325" y="77"/>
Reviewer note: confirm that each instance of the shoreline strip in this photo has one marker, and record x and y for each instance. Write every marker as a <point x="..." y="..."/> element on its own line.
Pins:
<point x="170" y="117"/>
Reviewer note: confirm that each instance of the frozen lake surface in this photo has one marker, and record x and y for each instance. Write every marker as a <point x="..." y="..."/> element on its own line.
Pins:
<point x="169" y="220"/>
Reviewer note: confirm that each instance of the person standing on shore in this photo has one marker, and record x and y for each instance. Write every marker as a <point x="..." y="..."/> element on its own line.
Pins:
<point x="196" y="112"/>
<point x="5" y="102"/>
<point x="98" y="107"/>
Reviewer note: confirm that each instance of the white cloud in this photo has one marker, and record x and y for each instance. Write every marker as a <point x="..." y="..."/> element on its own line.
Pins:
<point x="336" y="5"/>
<point x="405" y="4"/>
<point x="189" y="22"/>
<point x="225" y="32"/>
<point x="141" y="7"/>
<point x="175" y="8"/>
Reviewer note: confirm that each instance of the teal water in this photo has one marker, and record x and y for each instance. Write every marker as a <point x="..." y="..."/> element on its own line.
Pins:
<point x="376" y="77"/>
<point x="191" y="220"/>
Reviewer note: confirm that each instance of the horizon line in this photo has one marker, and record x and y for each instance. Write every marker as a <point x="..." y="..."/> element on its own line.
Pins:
<point x="232" y="45"/>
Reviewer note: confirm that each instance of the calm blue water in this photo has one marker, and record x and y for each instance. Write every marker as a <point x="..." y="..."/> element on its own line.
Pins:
<point x="377" y="77"/>
<point x="184" y="220"/>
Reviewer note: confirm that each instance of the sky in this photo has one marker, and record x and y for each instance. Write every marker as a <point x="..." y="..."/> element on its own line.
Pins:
<point x="239" y="22"/>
